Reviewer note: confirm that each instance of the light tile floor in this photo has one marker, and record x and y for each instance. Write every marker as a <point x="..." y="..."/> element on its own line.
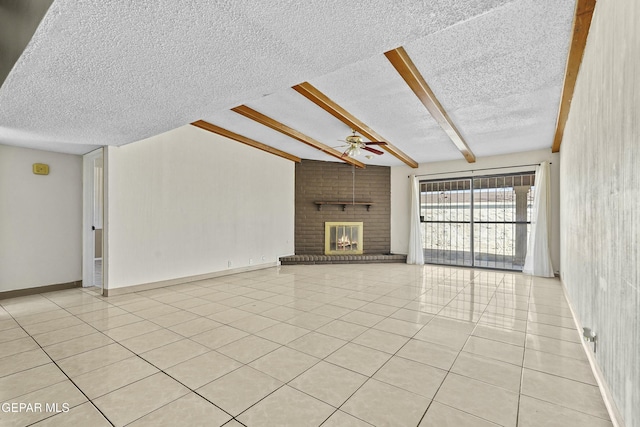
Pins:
<point x="333" y="345"/>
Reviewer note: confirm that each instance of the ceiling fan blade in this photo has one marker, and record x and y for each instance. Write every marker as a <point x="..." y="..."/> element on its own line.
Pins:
<point x="376" y="143"/>
<point x="345" y="153"/>
<point x="373" y="150"/>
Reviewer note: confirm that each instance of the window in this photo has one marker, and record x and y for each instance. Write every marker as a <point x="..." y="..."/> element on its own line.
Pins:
<point x="477" y="221"/>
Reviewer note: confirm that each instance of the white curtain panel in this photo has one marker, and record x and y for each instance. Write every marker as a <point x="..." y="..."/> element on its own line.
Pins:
<point x="415" y="254"/>
<point x="538" y="259"/>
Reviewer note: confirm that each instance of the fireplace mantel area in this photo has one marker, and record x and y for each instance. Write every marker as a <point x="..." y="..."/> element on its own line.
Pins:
<point x="317" y="181"/>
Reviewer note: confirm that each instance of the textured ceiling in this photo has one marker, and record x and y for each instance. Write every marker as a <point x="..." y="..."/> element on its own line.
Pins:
<point x="19" y="19"/>
<point x="113" y="72"/>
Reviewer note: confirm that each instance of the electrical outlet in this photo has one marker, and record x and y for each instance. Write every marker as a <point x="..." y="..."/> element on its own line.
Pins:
<point x="264" y="257"/>
<point x="250" y="261"/>
<point x="229" y="263"/>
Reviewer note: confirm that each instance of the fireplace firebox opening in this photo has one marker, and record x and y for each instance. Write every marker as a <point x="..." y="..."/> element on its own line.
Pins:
<point x="343" y="238"/>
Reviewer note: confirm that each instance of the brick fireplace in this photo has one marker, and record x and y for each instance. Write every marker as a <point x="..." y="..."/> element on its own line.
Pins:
<point x="323" y="192"/>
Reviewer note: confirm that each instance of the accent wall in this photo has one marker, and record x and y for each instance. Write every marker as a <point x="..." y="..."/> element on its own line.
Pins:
<point x="600" y="207"/>
<point x="318" y="181"/>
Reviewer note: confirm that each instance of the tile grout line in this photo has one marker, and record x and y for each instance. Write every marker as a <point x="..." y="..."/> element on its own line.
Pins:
<point x="453" y="363"/>
<point x="65" y="374"/>
<point x="320" y="360"/>
<point x="328" y="298"/>
<point x="524" y="352"/>
<point x="73" y="382"/>
<point x="393" y="355"/>
<point x="178" y="398"/>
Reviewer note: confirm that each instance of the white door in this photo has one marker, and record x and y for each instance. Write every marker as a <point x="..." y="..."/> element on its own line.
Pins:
<point x="93" y="198"/>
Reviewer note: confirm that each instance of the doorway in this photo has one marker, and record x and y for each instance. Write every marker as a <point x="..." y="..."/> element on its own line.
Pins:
<point x="93" y="213"/>
<point x="477" y="221"/>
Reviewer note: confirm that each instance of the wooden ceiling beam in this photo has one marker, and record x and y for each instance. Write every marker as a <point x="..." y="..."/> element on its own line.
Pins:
<point x="408" y="71"/>
<point x="244" y="140"/>
<point x="581" y="24"/>
<point x="307" y="90"/>
<point x="252" y="114"/>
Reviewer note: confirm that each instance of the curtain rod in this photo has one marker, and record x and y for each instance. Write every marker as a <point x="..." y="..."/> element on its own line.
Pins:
<point x="475" y="170"/>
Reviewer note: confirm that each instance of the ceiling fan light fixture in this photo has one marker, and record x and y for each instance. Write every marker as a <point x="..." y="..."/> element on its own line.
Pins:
<point x="356" y="144"/>
<point x="354" y="139"/>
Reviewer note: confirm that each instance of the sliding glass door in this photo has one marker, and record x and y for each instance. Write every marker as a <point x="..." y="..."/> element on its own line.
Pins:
<point x="477" y="221"/>
<point x="446" y="218"/>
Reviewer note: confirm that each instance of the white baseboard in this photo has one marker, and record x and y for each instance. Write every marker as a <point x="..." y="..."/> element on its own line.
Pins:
<point x="607" y="396"/>
<point x="181" y="280"/>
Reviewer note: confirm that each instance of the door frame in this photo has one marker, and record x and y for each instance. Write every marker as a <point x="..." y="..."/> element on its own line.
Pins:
<point x="88" y="237"/>
<point x="473" y="207"/>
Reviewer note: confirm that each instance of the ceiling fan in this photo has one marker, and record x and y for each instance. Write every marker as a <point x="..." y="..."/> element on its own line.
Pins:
<point x="355" y="144"/>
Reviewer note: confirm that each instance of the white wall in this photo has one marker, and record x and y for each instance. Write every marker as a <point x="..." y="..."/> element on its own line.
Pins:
<point x="401" y="201"/>
<point x="600" y="185"/>
<point x="187" y="202"/>
<point x="40" y="219"/>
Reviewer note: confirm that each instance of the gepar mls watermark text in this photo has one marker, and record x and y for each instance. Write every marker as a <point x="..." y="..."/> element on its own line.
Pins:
<point x="18" y="407"/>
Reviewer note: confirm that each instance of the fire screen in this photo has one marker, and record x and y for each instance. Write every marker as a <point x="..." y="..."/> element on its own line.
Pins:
<point x="343" y="238"/>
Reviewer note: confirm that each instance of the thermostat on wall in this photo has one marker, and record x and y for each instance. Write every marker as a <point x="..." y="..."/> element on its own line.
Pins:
<point x="40" y="169"/>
